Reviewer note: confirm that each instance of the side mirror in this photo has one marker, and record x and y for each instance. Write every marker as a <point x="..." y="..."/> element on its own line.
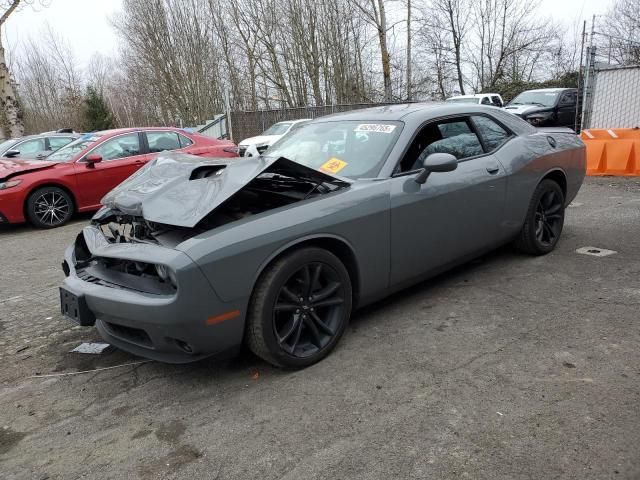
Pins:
<point x="93" y="159"/>
<point x="436" y="162"/>
<point x="12" y="153"/>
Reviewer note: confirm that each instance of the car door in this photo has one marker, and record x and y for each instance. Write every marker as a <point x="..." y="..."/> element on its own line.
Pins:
<point x="454" y="214"/>
<point x="121" y="156"/>
<point x="567" y="109"/>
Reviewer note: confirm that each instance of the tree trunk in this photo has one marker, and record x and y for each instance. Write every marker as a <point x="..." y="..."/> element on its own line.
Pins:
<point x="10" y="116"/>
<point x="384" y="51"/>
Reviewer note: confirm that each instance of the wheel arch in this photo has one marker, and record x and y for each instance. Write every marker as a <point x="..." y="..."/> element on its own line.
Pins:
<point x="338" y="246"/>
<point x="45" y="185"/>
<point x="559" y="176"/>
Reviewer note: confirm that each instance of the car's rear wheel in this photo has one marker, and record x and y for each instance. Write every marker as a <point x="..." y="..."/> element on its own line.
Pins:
<point x="49" y="207"/>
<point x="545" y="219"/>
<point x="300" y="308"/>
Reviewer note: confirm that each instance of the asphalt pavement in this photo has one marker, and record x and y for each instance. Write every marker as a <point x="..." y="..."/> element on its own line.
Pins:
<point x="509" y="367"/>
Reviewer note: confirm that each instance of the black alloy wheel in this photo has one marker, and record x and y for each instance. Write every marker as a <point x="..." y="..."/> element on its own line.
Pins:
<point x="300" y="308"/>
<point x="308" y="310"/>
<point x="549" y="218"/>
<point x="49" y="207"/>
<point x="545" y="219"/>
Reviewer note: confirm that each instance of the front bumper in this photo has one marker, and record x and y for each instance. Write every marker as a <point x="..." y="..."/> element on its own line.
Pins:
<point x="12" y="205"/>
<point x="173" y="328"/>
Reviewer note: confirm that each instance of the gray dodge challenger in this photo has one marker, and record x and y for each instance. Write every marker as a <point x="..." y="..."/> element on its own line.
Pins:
<point x="194" y="257"/>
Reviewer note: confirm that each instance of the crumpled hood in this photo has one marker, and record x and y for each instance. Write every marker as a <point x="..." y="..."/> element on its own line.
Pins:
<point x="10" y="167"/>
<point x="260" y="139"/>
<point x="521" y="109"/>
<point x="179" y="189"/>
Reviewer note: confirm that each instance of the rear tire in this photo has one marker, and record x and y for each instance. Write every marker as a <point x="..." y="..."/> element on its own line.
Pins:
<point x="299" y="308"/>
<point x="545" y="219"/>
<point x="49" y="207"/>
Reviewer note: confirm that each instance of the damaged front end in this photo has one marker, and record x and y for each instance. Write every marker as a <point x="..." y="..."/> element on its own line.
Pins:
<point x="177" y="196"/>
<point x="174" y="198"/>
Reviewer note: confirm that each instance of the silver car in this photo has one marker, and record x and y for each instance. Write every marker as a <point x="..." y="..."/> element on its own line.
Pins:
<point x="193" y="257"/>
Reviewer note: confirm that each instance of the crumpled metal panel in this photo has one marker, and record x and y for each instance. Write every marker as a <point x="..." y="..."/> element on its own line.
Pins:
<point x="164" y="192"/>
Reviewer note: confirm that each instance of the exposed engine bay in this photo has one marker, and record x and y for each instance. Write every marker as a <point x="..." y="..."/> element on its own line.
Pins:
<point x="271" y="189"/>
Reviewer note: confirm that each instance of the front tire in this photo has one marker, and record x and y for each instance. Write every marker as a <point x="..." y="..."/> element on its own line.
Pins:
<point x="49" y="207"/>
<point x="545" y="219"/>
<point x="299" y="309"/>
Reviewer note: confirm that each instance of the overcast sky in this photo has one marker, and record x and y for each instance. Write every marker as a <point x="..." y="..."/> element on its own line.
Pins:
<point x="85" y="24"/>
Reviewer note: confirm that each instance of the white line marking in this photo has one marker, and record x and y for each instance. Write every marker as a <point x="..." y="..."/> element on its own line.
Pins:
<point x="612" y="133"/>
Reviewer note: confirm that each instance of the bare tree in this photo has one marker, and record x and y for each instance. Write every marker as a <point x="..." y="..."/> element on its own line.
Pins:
<point x="374" y="12"/>
<point x="453" y="17"/>
<point x="50" y="83"/>
<point x="621" y="32"/>
<point x="510" y="40"/>
<point x="11" y="124"/>
<point x="409" y="59"/>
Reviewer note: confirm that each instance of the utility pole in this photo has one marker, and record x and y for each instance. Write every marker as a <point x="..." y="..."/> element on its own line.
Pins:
<point x="578" y="120"/>
<point x="587" y="74"/>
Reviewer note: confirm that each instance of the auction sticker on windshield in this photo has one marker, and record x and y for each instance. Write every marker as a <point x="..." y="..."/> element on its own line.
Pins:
<point x="375" y="127"/>
<point x="333" y="165"/>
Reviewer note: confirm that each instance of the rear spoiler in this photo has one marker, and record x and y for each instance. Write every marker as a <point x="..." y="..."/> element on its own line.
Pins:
<point x="555" y="130"/>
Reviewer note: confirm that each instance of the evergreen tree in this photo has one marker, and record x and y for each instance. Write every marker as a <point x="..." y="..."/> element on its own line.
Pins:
<point x="97" y="115"/>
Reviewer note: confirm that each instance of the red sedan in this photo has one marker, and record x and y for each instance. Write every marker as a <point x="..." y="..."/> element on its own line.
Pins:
<point x="77" y="176"/>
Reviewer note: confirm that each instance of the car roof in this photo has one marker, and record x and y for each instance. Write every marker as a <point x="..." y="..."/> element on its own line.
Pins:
<point x="384" y="112"/>
<point x="42" y="135"/>
<point x="559" y="89"/>
<point x="475" y="95"/>
<point x="407" y="112"/>
<point x="118" y="131"/>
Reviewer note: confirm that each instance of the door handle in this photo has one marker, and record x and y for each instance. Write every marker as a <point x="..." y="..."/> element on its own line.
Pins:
<point x="493" y="169"/>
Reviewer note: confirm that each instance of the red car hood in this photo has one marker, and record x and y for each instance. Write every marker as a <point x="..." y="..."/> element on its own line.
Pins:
<point x="10" y="167"/>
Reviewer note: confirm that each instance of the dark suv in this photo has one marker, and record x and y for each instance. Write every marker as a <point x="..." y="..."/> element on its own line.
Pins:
<point x="546" y="107"/>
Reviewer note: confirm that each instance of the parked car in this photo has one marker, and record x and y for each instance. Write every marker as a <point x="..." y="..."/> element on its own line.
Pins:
<point x="289" y="243"/>
<point x="75" y="178"/>
<point x="254" y="146"/>
<point x="546" y="107"/>
<point x="493" y="99"/>
<point x="35" y="146"/>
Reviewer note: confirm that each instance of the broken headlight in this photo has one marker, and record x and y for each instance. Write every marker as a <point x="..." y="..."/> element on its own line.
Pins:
<point x="9" y="184"/>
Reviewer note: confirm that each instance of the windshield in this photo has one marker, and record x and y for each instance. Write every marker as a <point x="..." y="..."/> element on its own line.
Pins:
<point x="464" y="100"/>
<point x="277" y="129"/>
<point x="70" y="150"/>
<point x="6" y="145"/>
<point x="354" y="149"/>
<point x="544" y="99"/>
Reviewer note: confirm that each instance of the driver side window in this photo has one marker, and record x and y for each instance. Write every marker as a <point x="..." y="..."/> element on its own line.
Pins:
<point x="453" y="136"/>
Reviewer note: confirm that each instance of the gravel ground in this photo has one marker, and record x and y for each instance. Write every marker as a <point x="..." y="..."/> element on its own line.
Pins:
<point x="510" y="367"/>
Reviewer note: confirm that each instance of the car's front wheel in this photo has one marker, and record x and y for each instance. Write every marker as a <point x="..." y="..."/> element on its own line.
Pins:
<point x="49" y="207"/>
<point x="300" y="308"/>
<point x="545" y="219"/>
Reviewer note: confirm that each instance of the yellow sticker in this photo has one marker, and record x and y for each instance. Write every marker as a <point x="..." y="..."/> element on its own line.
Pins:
<point x="333" y="165"/>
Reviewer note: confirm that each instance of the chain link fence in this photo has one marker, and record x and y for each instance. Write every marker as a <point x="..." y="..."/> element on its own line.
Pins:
<point x="614" y="98"/>
<point x="245" y="124"/>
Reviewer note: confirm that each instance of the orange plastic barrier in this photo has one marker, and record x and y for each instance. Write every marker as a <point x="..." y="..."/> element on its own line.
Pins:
<point x="612" y="152"/>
